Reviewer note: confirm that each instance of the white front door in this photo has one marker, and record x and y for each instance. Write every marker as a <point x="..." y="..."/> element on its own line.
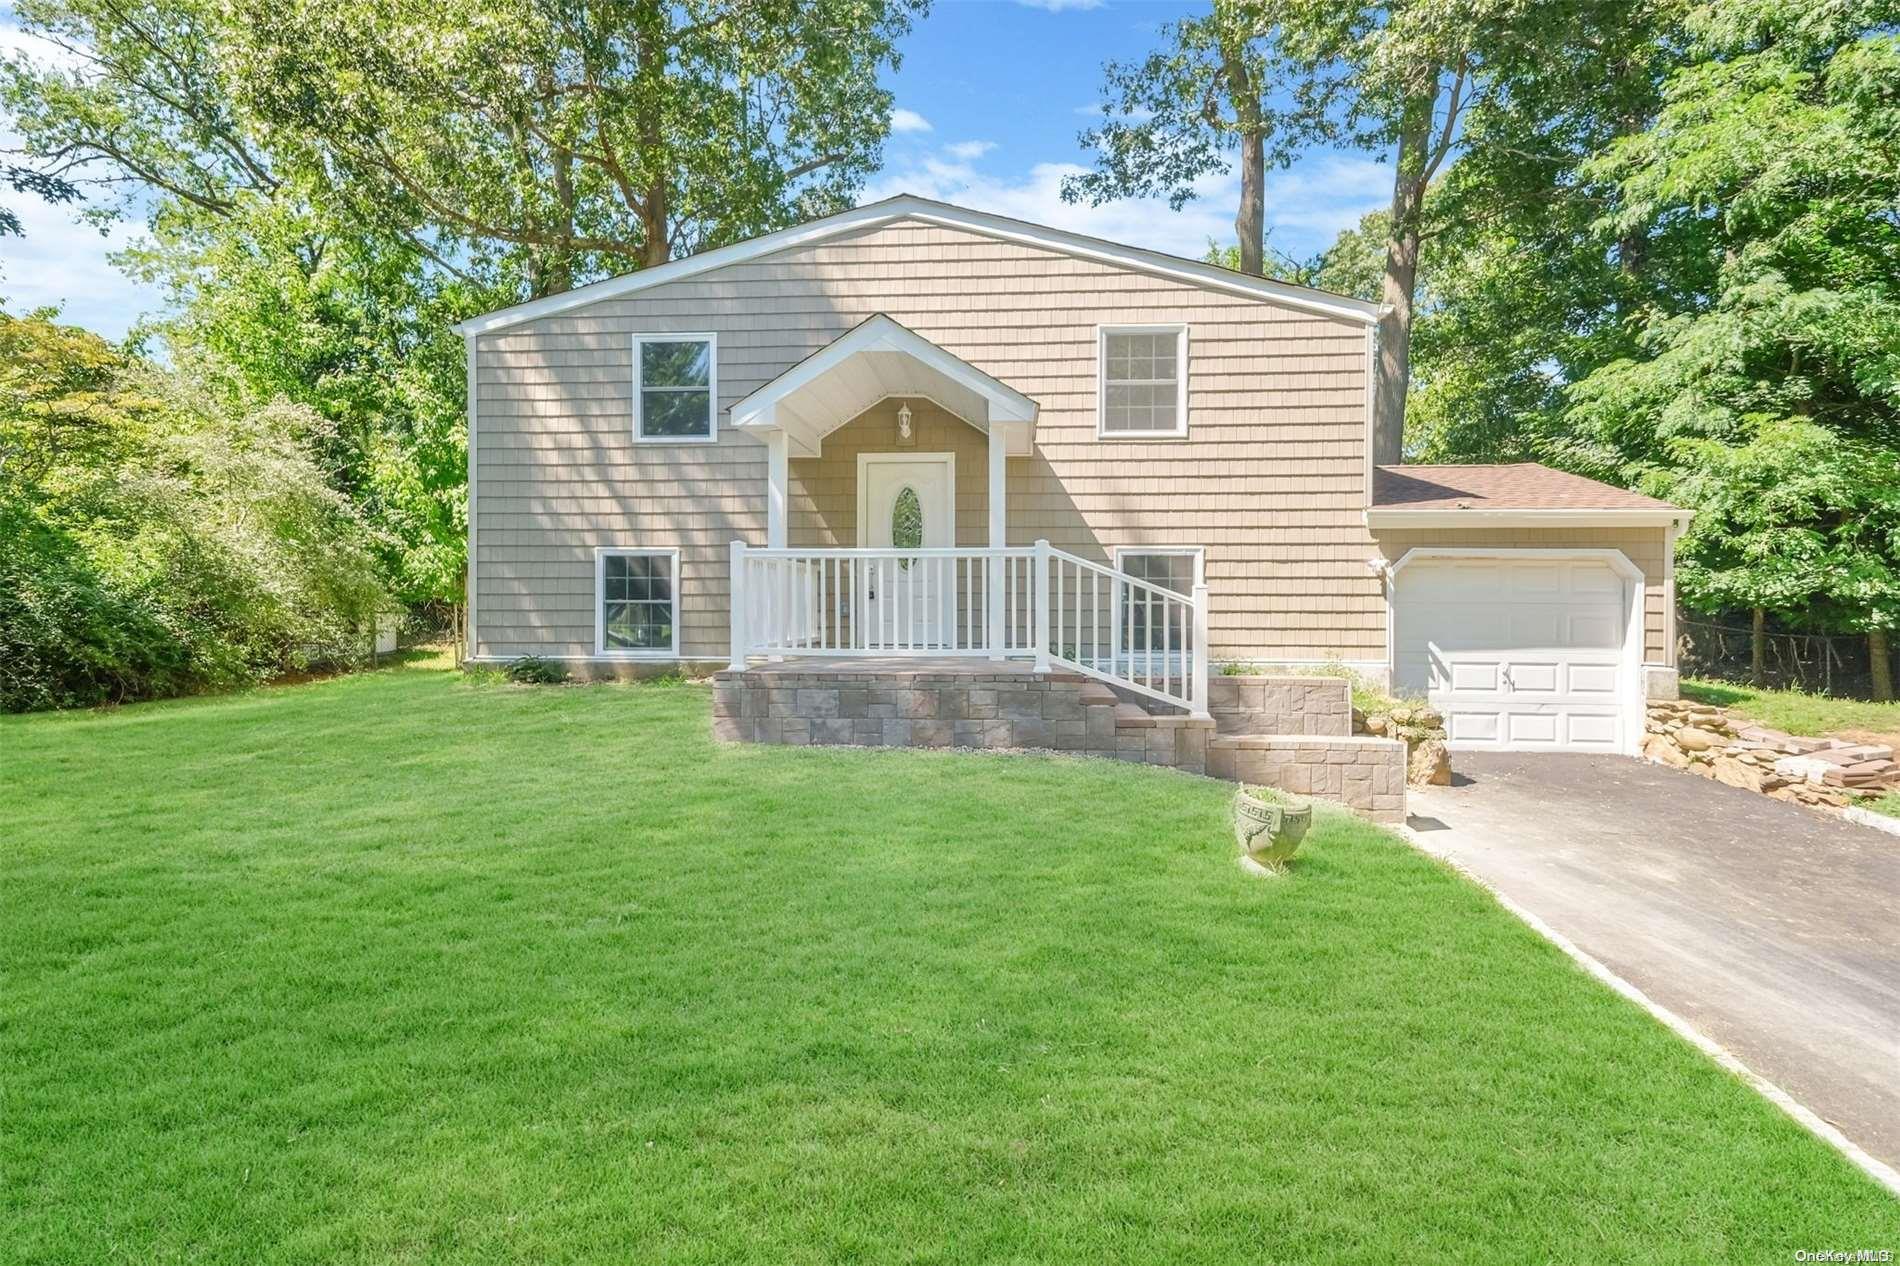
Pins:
<point x="1518" y="654"/>
<point x="907" y="501"/>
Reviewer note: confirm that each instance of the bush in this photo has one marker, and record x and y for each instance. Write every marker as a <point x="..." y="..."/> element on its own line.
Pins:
<point x="532" y="670"/>
<point x="159" y="541"/>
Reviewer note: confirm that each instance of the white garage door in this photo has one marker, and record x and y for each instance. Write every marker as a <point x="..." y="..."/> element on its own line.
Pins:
<point x="1518" y="654"/>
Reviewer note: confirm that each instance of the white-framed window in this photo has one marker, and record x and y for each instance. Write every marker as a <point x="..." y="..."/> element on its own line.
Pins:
<point x="636" y="603"/>
<point x="1176" y="568"/>
<point x="676" y="388"/>
<point x="1142" y="383"/>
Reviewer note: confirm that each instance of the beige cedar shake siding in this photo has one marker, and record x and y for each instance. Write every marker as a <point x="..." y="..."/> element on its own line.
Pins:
<point x="1270" y="479"/>
<point x="1644" y="546"/>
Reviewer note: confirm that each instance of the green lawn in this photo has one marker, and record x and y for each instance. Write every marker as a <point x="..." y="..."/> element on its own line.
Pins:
<point x="1795" y="711"/>
<point x="406" y="968"/>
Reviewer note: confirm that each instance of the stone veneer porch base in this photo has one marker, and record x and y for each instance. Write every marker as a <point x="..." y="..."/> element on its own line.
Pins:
<point x="1008" y="706"/>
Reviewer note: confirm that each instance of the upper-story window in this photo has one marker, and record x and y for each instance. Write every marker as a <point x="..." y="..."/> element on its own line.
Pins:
<point x="675" y="387"/>
<point x="1143" y="384"/>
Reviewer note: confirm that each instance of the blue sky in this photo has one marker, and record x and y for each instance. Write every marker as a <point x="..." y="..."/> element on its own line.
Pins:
<point x="990" y="97"/>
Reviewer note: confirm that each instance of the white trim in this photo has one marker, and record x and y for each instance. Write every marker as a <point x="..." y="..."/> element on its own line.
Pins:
<point x="1380" y="517"/>
<point x="601" y="554"/>
<point x="778" y="488"/>
<point x="1670" y="534"/>
<point x="711" y="340"/>
<point x="1197" y="552"/>
<point x="758" y="410"/>
<point x="909" y="206"/>
<point x="468" y="568"/>
<point x="1372" y="403"/>
<point x="866" y="460"/>
<point x="1633" y="712"/>
<point x="1177" y="328"/>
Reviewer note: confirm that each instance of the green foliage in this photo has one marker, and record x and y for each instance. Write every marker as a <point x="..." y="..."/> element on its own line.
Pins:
<point x="159" y="542"/>
<point x="533" y="670"/>
<point x="328" y="187"/>
<point x="1181" y="112"/>
<point x="1668" y="261"/>
<point x="43" y="185"/>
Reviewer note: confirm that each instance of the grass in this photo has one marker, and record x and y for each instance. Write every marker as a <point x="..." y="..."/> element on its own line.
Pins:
<point x="1796" y="711"/>
<point x="1888" y="804"/>
<point x="402" y="968"/>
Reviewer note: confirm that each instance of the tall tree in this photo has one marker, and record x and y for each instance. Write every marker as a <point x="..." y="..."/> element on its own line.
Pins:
<point x="1767" y="373"/>
<point x="328" y="186"/>
<point x="1225" y="88"/>
<point x="585" y="136"/>
<point x="1527" y="293"/>
<point x="1397" y="76"/>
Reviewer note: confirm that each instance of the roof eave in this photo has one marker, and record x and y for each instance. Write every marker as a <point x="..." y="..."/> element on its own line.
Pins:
<point x="1624" y="516"/>
<point x="909" y="206"/>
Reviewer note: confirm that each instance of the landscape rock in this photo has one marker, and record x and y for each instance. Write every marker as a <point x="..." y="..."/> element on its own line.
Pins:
<point x="1800" y="769"/>
<point x="1697" y="740"/>
<point x="1429" y="765"/>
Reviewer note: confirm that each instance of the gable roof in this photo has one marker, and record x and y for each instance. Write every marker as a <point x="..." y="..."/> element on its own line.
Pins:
<point x="878" y="358"/>
<point x="909" y="206"/>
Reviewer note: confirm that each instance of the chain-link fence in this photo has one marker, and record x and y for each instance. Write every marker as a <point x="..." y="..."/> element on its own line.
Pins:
<point x="1821" y="663"/>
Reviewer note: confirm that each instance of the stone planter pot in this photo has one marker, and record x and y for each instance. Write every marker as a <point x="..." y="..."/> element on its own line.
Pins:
<point x="1269" y="832"/>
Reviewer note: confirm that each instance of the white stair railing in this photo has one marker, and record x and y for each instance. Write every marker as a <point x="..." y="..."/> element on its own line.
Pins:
<point x="1094" y="619"/>
<point x="1143" y="637"/>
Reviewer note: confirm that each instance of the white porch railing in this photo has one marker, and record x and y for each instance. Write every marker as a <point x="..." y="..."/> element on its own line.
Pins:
<point x="1039" y="602"/>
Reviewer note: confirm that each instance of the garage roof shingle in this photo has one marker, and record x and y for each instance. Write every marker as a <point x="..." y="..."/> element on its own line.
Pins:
<point x="1517" y="486"/>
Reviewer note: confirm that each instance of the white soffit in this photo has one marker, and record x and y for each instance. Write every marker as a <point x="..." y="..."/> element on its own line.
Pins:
<point x="879" y="360"/>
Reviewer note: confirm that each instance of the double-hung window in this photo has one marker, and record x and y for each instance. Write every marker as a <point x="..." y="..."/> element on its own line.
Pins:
<point x="636" y="603"/>
<point x="1143" y="382"/>
<point x="675" y="388"/>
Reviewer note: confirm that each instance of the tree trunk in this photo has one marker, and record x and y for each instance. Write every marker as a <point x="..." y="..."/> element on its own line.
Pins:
<point x="1401" y="276"/>
<point x="1250" y="223"/>
<point x="1877" y="656"/>
<point x="1757" y="646"/>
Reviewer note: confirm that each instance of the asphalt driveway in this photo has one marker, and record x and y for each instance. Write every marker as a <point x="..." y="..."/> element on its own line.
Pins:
<point x="1774" y="929"/>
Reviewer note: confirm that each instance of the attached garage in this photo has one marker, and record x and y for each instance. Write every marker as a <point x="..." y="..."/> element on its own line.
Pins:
<point x="1538" y="624"/>
<point x="1520" y="650"/>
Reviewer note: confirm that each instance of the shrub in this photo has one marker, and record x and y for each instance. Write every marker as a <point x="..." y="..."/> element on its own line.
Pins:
<point x="157" y="540"/>
<point x="532" y="670"/>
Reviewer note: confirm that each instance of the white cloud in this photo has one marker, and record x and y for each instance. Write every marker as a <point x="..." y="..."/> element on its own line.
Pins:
<point x="969" y="151"/>
<point x="15" y="41"/>
<point x="1062" y="6"/>
<point x="1096" y="110"/>
<point x="1307" y="205"/>
<point x="903" y="120"/>
<point x="1037" y="197"/>
<point x="63" y="263"/>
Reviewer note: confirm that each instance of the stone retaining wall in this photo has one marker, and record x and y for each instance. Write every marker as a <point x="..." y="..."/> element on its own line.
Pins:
<point x="1280" y="705"/>
<point x="1055" y="711"/>
<point x="1704" y="739"/>
<point x="1367" y="774"/>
